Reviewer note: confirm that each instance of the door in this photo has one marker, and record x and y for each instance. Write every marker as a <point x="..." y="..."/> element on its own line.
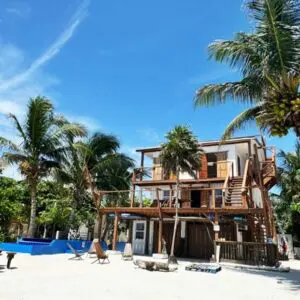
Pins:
<point x="200" y="240"/>
<point x="139" y="237"/>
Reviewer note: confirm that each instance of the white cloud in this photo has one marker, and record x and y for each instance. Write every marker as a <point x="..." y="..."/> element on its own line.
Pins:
<point x="52" y="51"/>
<point x="18" y="83"/>
<point x="19" y="9"/>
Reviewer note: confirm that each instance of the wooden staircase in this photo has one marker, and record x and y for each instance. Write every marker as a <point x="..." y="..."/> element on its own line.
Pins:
<point x="234" y="194"/>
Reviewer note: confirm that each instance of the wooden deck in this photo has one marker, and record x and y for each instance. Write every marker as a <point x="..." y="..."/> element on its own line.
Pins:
<point x="173" y="181"/>
<point x="170" y="211"/>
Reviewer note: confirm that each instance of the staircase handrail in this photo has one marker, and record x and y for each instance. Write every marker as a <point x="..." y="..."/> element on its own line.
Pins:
<point x="225" y="187"/>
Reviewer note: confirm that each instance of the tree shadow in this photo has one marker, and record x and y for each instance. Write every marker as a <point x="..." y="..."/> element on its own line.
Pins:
<point x="291" y="279"/>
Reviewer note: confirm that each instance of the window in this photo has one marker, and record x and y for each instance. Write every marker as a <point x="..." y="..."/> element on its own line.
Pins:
<point x="140" y="226"/>
<point x="139" y="235"/>
<point x="166" y="195"/>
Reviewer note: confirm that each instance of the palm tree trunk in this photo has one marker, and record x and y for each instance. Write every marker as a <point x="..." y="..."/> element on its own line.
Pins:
<point x="172" y="258"/>
<point x="32" y="222"/>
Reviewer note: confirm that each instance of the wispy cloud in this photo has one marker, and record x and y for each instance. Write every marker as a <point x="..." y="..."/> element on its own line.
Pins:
<point x="19" y="9"/>
<point x="18" y="84"/>
<point x="53" y="50"/>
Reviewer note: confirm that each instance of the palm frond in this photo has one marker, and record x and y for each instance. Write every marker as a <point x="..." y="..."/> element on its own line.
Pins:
<point x="14" y="158"/>
<point x="240" y="121"/>
<point x="245" y="91"/>
<point x="38" y="120"/>
<point x="9" y="145"/>
<point x="18" y="127"/>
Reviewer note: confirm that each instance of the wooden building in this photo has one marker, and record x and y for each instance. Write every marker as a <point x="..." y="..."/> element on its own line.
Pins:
<point x="227" y="204"/>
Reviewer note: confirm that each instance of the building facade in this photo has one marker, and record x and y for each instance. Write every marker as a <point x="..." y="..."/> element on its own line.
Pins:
<point x="226" y="202"/>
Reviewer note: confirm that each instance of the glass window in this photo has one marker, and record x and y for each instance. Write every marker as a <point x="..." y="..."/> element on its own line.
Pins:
<point x="140" y="226"/>
<point x="139" y="235"/>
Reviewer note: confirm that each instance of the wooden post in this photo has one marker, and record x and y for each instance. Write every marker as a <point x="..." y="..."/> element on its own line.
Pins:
<point x="132" y="196"/>
<point x="213" y="196"/>
<point x="216" y="223"/>
<point x="170" y="196"/>
<point x="142" y="166"/>
<point x="263" y="196"/>
<point x="115" y="234"/>
<point x="157" y="197"/>
<point x="160" y="229"/>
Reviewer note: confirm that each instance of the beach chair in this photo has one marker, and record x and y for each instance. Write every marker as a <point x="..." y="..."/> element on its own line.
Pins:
<point x="101" y="255"/>
<point x="92" y="250"/>
<point x="75" y="252"/>
<point x="127" y="254"/>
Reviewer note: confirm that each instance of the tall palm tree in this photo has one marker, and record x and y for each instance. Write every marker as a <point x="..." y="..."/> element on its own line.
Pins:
<point x="43" y="145"/>
<point x="269" y="62"/>
<point x="95" y="164"/>
<point x="287" y="202"/>
<point x="180" y="153"/>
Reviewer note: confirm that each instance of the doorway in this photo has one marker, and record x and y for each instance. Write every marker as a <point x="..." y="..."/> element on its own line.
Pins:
<point x="139" y="237"/>
<point x="195" y="198"/>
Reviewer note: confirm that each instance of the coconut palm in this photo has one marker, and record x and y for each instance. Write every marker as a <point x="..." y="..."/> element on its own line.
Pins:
<point x="269" y="62"/>
<point x="43" y="145"/>
<point x="287" y="202"/>
<point x="95" y="164"/>
<point x="180" y="153"/>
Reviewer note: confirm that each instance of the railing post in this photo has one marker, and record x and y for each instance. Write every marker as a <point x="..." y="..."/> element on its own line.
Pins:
<point x="213" y="196"/>
<point x="132" y="196"/>
<point x="115" y="234"/>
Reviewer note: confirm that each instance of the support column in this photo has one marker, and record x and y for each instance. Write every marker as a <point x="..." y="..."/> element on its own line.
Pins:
<point x="216" y="223"/>
<point x="142" y="166"/>
<point x="160" y="229"/>
<point x="115" y="234"/>
<point x="132" y="196"/>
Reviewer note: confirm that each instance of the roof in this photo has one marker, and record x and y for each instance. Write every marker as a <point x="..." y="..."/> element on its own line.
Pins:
<point x="235" y="140"/>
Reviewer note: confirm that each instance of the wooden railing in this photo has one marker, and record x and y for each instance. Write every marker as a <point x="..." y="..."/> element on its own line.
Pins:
<point x="248" y="252"/>
<point x="226" y="186"/>
<point x="247" y="180"/>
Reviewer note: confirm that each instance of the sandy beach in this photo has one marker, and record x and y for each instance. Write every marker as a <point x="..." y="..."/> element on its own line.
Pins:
<point x="55" y="277"/>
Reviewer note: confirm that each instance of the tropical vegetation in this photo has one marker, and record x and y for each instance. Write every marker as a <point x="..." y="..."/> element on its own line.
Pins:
<point x="180" y="153"/>
<point x="269" y="62"/>
<point x="62" y="171"/>
<point x="287" y="201"/>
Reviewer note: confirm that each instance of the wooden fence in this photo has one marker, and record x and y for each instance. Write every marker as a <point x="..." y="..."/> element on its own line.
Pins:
<point x="248" y="252"/>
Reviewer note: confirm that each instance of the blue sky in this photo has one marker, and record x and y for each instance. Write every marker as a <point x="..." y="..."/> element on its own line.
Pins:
<point x="125" y="67"/>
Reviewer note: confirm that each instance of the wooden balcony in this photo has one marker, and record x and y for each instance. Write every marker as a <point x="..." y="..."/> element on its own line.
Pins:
<point x="155" y="175"/>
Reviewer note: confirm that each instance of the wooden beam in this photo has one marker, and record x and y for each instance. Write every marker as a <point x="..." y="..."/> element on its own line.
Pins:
<point x="160" y="229"/>
<point x="115" y="234"/>
<point x="216" y="223"/>
<point x="170" y="196"/>
<point x="132" y="196"/>
<point x="213" y="196"/>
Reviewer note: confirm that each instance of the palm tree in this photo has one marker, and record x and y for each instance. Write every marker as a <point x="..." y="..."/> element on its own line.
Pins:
<point x="95" y="164"/>
<point x="269" y="62"/>
<point x="289" y="175"/>
<point x="287" y="202"/>
<point x="42" y="148"/>
<point x="180" y="153"/>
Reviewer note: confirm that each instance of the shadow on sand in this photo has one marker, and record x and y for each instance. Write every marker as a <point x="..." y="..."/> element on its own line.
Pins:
<point x="291" y="279"/>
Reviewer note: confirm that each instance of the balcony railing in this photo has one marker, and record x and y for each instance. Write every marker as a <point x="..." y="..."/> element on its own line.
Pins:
<point x="209" y="198"/>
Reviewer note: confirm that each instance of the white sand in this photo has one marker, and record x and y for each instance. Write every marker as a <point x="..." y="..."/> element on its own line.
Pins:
<point x="55" y="277"/>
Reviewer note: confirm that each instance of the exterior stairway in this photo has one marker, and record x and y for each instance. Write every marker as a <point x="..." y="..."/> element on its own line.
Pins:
<point x="234" y="194"/>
